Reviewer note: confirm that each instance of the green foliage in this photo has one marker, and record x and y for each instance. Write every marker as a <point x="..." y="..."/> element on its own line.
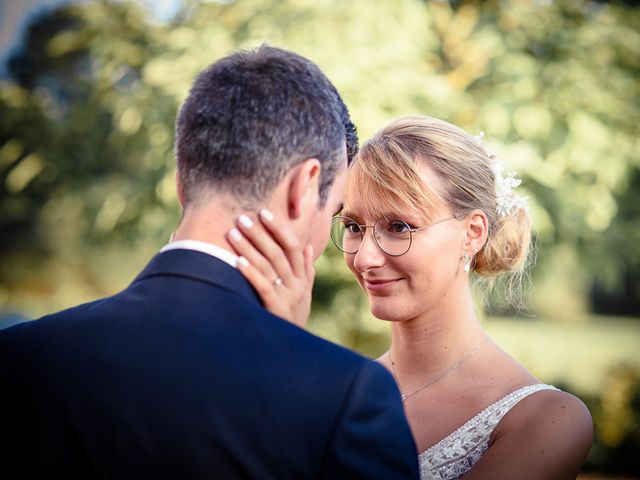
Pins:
<point x="86" y="127"/>
<point x="86" y="123"/>
<point x="86" y="149"/>
<point x="617" y="424"/>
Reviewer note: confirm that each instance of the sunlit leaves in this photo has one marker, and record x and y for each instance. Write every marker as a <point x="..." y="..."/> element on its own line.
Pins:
<point x="86" y="131"/>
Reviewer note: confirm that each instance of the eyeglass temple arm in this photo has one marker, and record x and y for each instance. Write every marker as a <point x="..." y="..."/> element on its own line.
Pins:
<point x="413" y="230"/>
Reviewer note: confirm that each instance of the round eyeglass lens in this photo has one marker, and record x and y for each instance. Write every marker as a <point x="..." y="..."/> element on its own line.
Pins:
<point x="346" y="234"/>
<point x="393" y="236"/>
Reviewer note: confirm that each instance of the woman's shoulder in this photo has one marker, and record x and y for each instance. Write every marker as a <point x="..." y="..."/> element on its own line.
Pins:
<point x="548" y="434"/>
<point x="536" y="405"/>
<point x="551" y="412"/>
<point x="549" y="429"/>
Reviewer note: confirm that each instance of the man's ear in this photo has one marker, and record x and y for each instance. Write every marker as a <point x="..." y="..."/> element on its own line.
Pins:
<point x="477" y="230"/>
<point x="303" y="187"/>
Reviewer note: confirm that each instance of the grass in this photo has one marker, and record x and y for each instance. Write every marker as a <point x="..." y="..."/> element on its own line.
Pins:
<point x="578" y="355"/>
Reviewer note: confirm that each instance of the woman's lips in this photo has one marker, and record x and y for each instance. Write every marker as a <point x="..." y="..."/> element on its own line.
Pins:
<point x="379" y="284"/>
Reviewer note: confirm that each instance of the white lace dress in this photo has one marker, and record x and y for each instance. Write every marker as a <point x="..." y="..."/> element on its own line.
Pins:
<point x="454" y="455"/>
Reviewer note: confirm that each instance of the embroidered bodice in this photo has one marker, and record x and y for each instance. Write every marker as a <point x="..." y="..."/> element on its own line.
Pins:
<point x="454" y="455"/>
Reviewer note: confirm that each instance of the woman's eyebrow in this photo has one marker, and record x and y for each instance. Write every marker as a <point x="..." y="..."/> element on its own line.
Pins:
<point x="347" y="213"/>
<point x="386" y="215"/>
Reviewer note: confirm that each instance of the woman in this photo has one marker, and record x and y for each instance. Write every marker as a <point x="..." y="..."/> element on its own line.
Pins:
<point x="425" y="207"/>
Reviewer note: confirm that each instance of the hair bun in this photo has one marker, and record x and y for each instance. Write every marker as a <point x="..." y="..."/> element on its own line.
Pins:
<point x="507" y="248"/>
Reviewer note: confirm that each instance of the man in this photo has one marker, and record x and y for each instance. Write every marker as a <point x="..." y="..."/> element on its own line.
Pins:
<point x="184" y="374"/>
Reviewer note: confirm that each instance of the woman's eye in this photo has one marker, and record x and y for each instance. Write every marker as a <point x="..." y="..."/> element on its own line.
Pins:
<point x="398" y="227"/>
<point x="352" y="227"/>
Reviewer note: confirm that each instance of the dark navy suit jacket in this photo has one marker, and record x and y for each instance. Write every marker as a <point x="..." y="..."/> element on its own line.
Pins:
<point x="185" y="375"/>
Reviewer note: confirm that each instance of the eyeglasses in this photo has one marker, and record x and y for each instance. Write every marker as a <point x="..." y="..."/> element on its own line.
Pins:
<point x="393" y="237"/>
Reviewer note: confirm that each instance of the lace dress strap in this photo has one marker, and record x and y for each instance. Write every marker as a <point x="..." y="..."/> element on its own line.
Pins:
<point x="454" y="455"/>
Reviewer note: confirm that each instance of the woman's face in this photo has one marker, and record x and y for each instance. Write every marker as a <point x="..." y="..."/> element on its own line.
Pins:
<point x="405" y="287"/>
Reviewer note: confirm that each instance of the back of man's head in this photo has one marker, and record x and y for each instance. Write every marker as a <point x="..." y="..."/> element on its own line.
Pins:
<point x="251" y="117"/>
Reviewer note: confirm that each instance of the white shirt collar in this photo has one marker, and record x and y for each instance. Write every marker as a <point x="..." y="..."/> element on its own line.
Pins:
<point x="208" y="248"/>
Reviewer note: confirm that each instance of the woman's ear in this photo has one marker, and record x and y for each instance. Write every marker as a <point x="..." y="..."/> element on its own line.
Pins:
<point x="303" y="188"/>
<point x="477" y="231"/>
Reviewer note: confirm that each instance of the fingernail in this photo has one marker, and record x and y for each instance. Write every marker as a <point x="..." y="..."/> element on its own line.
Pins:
<point x="243" y="261"/>
<point x="235" y="234"/>
<point x="266" y="215"/>
<point x="245" y="221"/>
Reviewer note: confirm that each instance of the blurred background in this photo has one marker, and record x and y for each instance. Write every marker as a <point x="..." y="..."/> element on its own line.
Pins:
<point x="88" y="96"/>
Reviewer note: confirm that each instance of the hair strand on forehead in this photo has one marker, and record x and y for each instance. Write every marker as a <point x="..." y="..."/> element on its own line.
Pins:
<point x="376" y="180"/>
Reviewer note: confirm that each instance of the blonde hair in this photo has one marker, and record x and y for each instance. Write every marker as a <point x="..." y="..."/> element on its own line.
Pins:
<point x="385" y="176"/>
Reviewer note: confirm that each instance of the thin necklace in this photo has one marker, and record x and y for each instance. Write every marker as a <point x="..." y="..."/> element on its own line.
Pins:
<point x="442" y="375"/>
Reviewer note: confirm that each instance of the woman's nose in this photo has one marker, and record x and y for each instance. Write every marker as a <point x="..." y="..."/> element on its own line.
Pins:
<point x="369" y="254"/>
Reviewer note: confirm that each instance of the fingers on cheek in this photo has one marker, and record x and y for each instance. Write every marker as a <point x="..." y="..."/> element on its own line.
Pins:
<point x="254" y="232"/>
<point x="248" y="270"/>
<point x="253" y="275"/>
<point x="235" y="236"/>
<point x="284" y="238"/>
<point x="266" y="215"/>
<point x="245" y="222"/>
<point x="243" y="263"/>
<point x="242" y="244"/>
<point x="291" y="246"/>
<point x="255" y="241"/>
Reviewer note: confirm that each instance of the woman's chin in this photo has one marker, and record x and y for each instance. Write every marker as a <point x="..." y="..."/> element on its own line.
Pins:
<point x="385" y="311"/>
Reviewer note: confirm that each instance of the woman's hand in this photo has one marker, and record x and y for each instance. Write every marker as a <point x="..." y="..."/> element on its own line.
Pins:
<point x="278" y="267"/>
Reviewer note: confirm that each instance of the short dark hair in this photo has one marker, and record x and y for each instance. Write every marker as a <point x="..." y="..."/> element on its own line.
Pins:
<point x="252" y="116"/>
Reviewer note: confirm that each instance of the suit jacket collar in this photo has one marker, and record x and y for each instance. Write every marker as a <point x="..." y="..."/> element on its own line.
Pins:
<point x="199" y="266"/>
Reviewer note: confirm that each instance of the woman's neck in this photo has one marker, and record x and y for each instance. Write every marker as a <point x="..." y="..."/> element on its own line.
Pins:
<point x="434" y="341"/>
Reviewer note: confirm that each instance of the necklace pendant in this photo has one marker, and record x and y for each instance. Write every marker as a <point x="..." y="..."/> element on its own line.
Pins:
<point x="404" y="397"/>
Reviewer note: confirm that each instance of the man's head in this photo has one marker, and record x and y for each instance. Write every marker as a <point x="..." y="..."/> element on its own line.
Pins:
<point x="251" y="117"/>
<point x="265" y="127"/>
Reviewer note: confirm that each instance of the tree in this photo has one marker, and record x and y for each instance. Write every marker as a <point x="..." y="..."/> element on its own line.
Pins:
<point x="86" y="164"/>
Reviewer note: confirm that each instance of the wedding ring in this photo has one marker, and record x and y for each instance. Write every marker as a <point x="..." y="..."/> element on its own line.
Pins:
<point x="277" y="282"/>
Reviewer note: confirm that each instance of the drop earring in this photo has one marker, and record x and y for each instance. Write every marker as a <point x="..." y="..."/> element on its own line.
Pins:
<point x="466" y="262"/>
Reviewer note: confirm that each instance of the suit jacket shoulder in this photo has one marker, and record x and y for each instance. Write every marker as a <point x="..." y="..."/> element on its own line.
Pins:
<point x="185" y="375"/>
